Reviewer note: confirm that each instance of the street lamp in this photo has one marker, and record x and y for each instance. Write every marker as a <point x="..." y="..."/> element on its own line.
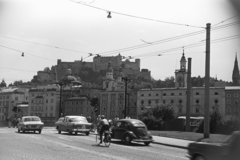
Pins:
<point x="61" y="84"/>
<point x="126" y="81"/>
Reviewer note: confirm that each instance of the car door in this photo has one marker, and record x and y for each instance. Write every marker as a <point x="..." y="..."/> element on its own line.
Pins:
<point x="123" y="127"/>
<point x="62" y="126"/>
<point x="117" y="130"/>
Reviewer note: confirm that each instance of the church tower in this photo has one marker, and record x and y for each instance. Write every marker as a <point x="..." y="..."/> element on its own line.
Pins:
<point x="108" y="83"/>
<point x="235" y="74"/>
<point x="181" y="74"/>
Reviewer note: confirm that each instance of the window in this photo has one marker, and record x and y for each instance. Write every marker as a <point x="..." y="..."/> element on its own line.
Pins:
<point x="51" y="100"/>
<point x="142" y="95"/>
<point x="164" y="101"/>
<point x="228" y="95"/>
<point x="142" y="102"/>
<point x="164" y="94"/>
<point x="149" y="102"/>
<point x="197" y="101"/>
<point x="216" y="101"/>
<point x="52" y="94"/>
<point x="197" y="93"/>
<point x="3" y="97"/>
<point x="228" y="101"/>
<point x="156" y="94"/>
<point x="172" y="101"/>
<point x="51" y="108"/>
<point x="51" y="114"/>
<point x="7" y="97"/>
<point x="180" y="94"/>
<point x="197" y="110"/>
<point x="172" y="94"/>
<point x="33" y="94"/>
<point x="235" y="95"/>
<point x="180" y="101"/>
<point x="216" y="93"/>
<point x="157" y="101"/>
<point x="229" y="109"/>
<point x="149" y="94"/>
<point x="0" y="97"/>
<point x="16" y="98"/>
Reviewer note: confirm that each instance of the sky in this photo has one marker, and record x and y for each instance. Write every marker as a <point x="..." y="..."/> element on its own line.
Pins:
<point x="47" y="30"/>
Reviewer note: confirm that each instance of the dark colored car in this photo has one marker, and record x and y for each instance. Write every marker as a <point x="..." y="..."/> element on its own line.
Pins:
<point x="131" y="130"/>
<point x="60" y="121"/>
<point x="228" y="150"/>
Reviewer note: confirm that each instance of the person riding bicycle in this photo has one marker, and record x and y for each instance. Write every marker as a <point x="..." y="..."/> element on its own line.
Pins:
<point x="104" y="124"/>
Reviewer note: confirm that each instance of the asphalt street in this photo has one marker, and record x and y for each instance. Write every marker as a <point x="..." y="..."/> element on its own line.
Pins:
<point x="50" y="146"/>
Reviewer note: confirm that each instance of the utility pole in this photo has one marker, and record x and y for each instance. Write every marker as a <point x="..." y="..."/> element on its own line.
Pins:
<point x="188" y="96"/>
<point x="207" y="78"/>
<point x="126" y="81"/>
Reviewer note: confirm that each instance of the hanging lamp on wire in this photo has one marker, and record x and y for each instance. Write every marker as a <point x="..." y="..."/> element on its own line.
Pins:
<point x="109" y="14"/>
<point x="22" y="54"/>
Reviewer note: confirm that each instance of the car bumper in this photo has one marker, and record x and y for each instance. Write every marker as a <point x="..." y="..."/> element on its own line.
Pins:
<point x="81" y="130"/>
<point x="142" y="140"/>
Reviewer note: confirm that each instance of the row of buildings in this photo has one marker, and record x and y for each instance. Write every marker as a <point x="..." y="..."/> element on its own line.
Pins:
<point x="44" y="101"/>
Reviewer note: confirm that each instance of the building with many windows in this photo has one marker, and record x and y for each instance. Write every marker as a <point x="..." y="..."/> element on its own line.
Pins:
<point x="78" y="106"/>
<point x="232" y="97"/>
<point x="176" y="98"/>
<point x="11" y="97"/>
<point x="44" y="102"/>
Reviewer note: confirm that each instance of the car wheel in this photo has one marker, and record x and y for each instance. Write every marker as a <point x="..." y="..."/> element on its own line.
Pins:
<point x="18" y="130"/>
<point x="40" y="131"/>
<point x="87" y="133"/>
<point x="76" y="133"/>
<point x="146" y="143"/>
<point x="34" y="131"/>
<point x="57" y="127"/>
<point x="59" y="132"/>
<point x="199" y="157"/>
<point x="69" y="132"/>
<point x="23" y="130"/>
<point x="127" y="140"/>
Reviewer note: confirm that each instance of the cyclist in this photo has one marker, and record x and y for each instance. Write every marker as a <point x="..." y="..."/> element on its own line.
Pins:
<point x="104" y="125"/>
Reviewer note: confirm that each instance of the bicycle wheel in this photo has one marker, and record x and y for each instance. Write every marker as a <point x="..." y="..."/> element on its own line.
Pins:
<point x="107" y="140"/>
<point x="97" y="139"/>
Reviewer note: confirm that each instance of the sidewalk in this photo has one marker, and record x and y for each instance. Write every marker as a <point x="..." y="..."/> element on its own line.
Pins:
<point x="172" y="142"/>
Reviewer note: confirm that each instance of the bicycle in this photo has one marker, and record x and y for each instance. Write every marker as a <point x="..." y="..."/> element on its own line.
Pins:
<point x="106" y="137"/>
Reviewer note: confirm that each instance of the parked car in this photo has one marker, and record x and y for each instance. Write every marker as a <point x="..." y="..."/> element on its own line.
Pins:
<point x="131" y="130"/>
<point x="76" y="124"/>
<point x="30" y="123"/>
<point x="228" y="150"/>
<point x="60" y="121"/>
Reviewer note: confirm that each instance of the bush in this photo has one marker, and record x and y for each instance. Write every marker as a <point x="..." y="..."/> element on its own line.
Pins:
<point x="220" y="124"/>
<point x="155" y="117"/>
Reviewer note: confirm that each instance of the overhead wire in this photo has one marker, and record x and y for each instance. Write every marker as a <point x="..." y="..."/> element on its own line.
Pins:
<point x="46" y="45"/>
<point x="173" y="23"/>
<point x="26" y="53"/>
<point x="18" y="69"/>
<point x="226" y="20"/>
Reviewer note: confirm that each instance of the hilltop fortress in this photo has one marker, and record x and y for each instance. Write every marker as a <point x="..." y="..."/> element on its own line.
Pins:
<point x="99" y="63"/>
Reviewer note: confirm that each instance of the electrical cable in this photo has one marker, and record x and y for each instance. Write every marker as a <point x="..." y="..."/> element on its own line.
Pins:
<point x="44" y="45"/>
<point x="173" y="23"/>
<point x="226" y="20"/>
<point x="17" y="69"/>
<point x="26" y="53"/>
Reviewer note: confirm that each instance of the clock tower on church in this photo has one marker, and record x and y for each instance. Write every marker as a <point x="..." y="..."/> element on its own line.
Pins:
<point x="181" y="74"/>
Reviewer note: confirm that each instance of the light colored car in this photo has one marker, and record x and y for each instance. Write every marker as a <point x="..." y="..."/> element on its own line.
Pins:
<point x="30" y="123"/>
<point x="60" y="121"/>
<point x="76" y="124"/>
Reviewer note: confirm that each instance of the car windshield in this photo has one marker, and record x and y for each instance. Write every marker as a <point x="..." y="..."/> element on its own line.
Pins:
<point x="82" y="120"/>
<point x="139" y="124"/>
<point x="60" y="119"/>
<point x="31" y="119"/>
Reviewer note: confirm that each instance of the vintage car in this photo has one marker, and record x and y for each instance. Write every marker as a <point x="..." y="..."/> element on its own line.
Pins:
<point x="60" y="121"/>
<point x="30" y="123"/>
<point x="131" y="130"/>
<point x="228" y="150"/>
<point x="76" y="124"/>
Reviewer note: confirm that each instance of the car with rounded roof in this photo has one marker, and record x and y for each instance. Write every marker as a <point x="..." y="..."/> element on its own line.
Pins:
<point x="30" y="123"/>
<point x="58" y="122"/>
<point x="76" y="124"/>
<point x="131" y="130"/>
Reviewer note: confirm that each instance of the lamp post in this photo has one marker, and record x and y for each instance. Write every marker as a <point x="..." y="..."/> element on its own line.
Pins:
<point x="236" y="106"/>
<point x="126" y="81"/>
<point x="61" y="84"/>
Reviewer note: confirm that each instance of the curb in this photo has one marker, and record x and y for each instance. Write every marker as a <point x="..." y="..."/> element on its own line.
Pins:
<point x="170" y="145"/>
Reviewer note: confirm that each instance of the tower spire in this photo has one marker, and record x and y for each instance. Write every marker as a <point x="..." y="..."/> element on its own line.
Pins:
<point x="235" y="74"/>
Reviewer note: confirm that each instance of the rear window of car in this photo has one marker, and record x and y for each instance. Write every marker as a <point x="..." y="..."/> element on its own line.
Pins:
<point x="138" y="124"/>
<point x="31" y="119"/>
<point x="82" y="120"/>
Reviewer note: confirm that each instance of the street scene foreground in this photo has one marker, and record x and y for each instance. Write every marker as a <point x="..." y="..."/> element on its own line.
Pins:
<point x="51" y="145"/>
